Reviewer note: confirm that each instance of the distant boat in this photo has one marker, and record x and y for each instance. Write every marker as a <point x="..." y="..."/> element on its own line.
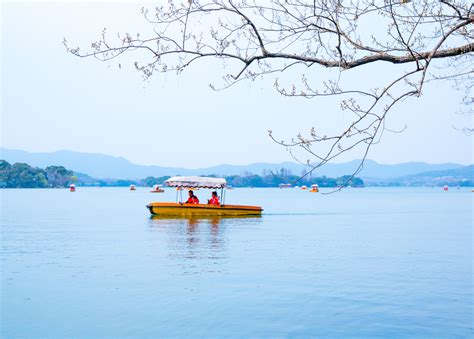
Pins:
<point x="284" y="185"/>
<point x="132" y="188"/>
<point x="157" y="189"/>
<point x="72" y="188"/>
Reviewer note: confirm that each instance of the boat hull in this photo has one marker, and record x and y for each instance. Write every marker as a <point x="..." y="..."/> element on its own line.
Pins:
<point x="186" y="210"/>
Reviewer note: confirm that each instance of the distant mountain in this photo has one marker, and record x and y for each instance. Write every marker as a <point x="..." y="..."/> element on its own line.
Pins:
<point x="465" y="172"/>
<point x="106" y="166"/>
<point x="373" y="169"/>
<point x="462" y="176"/>
<point x="95" y="165"/>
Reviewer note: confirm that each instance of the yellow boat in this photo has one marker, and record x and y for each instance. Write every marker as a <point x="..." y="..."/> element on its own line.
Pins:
<point x="186" y="210"/>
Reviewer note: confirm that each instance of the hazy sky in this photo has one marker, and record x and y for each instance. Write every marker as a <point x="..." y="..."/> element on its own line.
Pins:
<point x="53" y="101"/>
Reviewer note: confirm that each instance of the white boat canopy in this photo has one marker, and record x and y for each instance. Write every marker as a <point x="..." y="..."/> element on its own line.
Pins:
<point x="198" y="182"/>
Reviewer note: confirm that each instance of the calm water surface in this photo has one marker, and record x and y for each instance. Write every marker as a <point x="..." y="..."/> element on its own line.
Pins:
<point x="361" y="263"/>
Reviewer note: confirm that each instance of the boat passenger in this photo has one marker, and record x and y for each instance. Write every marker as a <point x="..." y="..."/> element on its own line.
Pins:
<point x="192" y="198"/>
<point x="214" y="199"/>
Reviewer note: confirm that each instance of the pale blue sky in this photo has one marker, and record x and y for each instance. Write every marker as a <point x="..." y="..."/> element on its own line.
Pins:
<point x="53" y="101"/>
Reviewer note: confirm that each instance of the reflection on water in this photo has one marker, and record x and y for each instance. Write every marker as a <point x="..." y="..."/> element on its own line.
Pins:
<point x="198" y="243"/>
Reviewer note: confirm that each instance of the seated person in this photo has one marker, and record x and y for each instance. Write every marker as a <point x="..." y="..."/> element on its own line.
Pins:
<point x="192" y="198"/>
<point x="214" y="199"/>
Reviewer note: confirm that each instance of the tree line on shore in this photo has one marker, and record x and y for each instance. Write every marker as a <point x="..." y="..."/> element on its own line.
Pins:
<point x="21" y="175"/>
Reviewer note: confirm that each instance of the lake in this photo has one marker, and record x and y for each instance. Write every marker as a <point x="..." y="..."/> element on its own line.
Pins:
<point x="393" y="262"/>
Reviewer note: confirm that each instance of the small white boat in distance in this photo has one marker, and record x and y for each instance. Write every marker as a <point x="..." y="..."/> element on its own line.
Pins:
<point x="157" y="189"/>
<point x="284" y="185"/>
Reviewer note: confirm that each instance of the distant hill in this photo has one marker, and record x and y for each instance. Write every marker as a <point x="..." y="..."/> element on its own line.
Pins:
<point x="106" y="166"/>
<point x="95" y="165"/>
<point x="462" y="176"/>
<point x="376" y="170"/>
<point x="466" y="172"/>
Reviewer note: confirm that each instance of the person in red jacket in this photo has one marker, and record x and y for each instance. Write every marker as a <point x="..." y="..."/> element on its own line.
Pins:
<point x="192" y="198"/>
<point x="214" y="199"/>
